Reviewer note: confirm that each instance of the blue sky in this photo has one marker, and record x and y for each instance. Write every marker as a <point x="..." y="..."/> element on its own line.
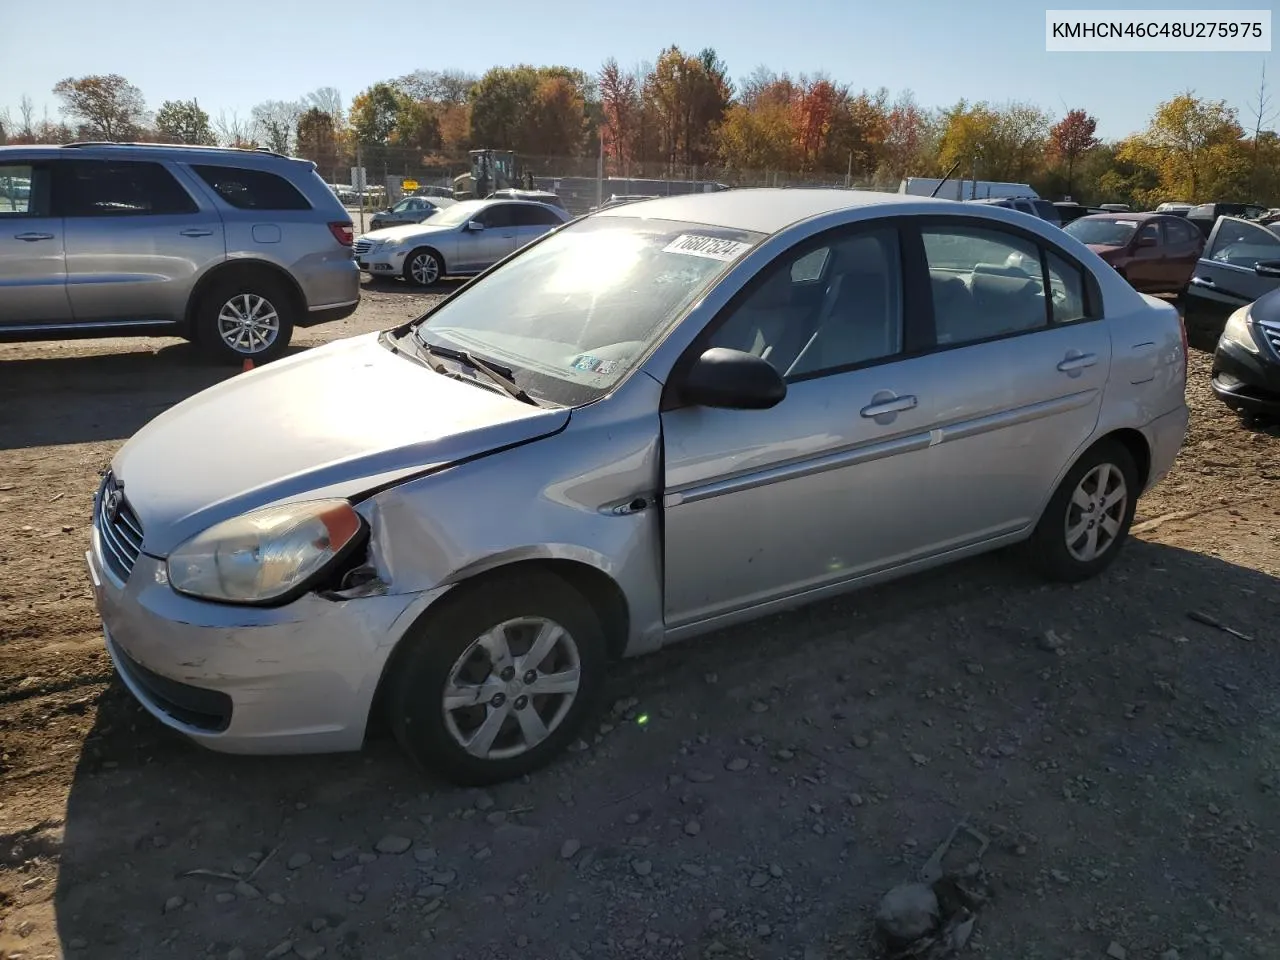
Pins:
<point x="231" y="54"/>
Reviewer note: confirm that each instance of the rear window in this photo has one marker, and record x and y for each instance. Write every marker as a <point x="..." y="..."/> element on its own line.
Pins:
<point x="252" y="189"/>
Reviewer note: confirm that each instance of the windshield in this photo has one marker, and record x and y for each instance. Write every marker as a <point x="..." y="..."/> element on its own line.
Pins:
<point x="572" y="314"/>
<point x="402" y="206"/>
<point x="1106" y="233"/>
<point x="458" y="213"/>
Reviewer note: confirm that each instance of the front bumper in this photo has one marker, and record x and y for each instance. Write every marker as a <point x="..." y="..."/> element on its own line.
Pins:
<point x="294" y="679"/>
<point x="382" y="263"/>
<point x="1246" y="381"/>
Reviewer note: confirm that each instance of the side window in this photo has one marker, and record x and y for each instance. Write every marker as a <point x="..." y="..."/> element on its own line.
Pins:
<point x="251" y="189"/>
<point x="1066" y="287"/>
<point x="121" y="188"/>
<point x="807" y="328"/>
<point x="1243" y="244"/>
<point x="985" y="282"/>
<point x="1150" y="232"/>
<point x="498" y="216"/>
<point x="534" y="216"/>
<point x="24" y="191"/>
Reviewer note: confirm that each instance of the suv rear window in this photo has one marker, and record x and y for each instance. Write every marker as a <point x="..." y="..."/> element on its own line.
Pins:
<point x="252" y="189"/>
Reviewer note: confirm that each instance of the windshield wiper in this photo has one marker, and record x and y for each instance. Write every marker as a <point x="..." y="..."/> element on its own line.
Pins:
<point x="497" y="373"/>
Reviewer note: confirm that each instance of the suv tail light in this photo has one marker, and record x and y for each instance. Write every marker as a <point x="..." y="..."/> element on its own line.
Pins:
<point x="343" y="232"/>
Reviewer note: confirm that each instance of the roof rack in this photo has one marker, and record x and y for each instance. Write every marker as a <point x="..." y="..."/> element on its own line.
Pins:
<point x="170" y="146"/>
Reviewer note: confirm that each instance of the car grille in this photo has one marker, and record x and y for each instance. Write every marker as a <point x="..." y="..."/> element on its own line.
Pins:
<point x="362" y="246"/>
<point x="1271" y="331"/>
<point x="118" y="528"/>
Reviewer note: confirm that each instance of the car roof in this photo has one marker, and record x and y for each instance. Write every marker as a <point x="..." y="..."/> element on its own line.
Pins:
<point x="1118" y="215"/>
<point x="154" y="151"/>
<point x="763" y="209"/>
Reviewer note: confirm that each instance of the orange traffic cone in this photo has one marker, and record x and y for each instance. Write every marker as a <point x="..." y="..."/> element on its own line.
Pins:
<point x="248" y="365"/>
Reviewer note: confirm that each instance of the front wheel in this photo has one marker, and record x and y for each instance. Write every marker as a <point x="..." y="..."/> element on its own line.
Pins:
<point x="1088" y="518"/>
<point x="499" y="681"/>
<point x="423" y="268"/>
<point x="245" y="318"/>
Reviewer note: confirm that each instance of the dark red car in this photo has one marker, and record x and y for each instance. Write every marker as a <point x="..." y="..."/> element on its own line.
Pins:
<point x="1155" y="252"/>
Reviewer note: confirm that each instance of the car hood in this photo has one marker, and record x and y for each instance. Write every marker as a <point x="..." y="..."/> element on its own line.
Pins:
<point x="333" y="421"/>
<point x="411" y="231"/>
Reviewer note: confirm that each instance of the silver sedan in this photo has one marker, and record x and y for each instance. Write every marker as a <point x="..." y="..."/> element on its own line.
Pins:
<point x="461" y="240"/>
<point x="663" y="419"/>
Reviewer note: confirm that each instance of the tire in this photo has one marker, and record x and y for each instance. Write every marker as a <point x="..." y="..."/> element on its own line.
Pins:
<point x="236" y="314"/>
<point x="1051" y="547"/>
<point x="444" y="651"/>
<point x="423" y="267"/>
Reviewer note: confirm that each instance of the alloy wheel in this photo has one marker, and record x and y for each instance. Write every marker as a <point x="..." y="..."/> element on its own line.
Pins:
<point x="1096" y="512"/>
<point x="424" y="269"/>
<point x="248" y="323"/>
<point x="511" y="688"/>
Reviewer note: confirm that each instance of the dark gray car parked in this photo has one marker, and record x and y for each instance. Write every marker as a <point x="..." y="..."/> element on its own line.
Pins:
<point x="229" y="248"/>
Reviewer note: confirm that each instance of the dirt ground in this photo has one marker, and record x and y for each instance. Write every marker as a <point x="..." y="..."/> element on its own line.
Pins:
<point x="1123" y="758"/>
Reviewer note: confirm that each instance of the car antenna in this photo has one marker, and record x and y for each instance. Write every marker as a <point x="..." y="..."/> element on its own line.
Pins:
<point x="944" y="179"/>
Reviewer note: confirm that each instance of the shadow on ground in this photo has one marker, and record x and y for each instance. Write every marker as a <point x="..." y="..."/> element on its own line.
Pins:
<point x="1118" y="753"/>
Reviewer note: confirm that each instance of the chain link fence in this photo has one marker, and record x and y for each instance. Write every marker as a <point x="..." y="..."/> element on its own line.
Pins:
<point x="580" y="182"/>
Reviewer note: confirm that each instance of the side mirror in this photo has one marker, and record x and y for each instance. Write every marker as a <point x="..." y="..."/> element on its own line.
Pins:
<point x="1146" y="242"/>
<point x="1268" y="268"/>
<point x="475" y="225"/>
<point x="733" y="380"/>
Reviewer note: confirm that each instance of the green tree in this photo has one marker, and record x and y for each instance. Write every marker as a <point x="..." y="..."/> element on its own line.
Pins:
<point x="318" y="139"/>
<point x="182" y="121"/>
<point x="374" y="113"/>
<point x="106" y="105"/>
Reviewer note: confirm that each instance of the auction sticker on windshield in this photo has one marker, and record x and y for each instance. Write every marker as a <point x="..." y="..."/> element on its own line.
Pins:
<point x="713" y="248"/>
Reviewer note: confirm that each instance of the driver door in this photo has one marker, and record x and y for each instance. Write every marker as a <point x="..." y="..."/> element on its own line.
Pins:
<point x="483" y="248"/>
<point x="1226" y="277"/>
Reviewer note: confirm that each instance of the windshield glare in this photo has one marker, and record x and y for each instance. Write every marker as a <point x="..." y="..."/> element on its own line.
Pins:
<point x="1108" y="233"/>
<point x="458" y="213"/>
<point x="572" y="314"/>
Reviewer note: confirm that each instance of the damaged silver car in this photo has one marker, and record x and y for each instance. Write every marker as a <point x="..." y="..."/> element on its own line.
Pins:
<point x="659" y="420"/>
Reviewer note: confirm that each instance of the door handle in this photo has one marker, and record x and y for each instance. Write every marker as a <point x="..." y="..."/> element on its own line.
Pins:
<point x="196" y="232"/>
<point x="32" y="237"/>
<point x="1078" y="362"/>
<point x="1203" y="282"/>
<point x="881" y="407"/>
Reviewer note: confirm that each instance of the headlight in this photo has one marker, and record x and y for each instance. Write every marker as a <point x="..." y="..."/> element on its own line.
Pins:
<point x="1237" y="331"/>
<point x="264" y="555"/>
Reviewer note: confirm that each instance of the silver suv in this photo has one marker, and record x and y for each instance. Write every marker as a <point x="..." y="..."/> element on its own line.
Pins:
<point x="228" y="248"/>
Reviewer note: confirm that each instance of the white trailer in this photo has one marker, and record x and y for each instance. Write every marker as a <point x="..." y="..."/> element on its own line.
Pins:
<point x="961" y="189"/>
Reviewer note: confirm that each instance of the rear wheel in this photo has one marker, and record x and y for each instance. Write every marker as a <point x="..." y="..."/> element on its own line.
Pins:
<point x="499" y="681"/>
<point x="247" y="317"/>
<point x="423" y="267"/>
<point x="1088" y="518"/>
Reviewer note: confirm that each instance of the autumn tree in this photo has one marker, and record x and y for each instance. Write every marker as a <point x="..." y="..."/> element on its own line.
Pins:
<point x="327" y="100"/>
<point x="688" y="96"/>
<point x="621" y="108"/>
<point x="998" y="142"/>
<point x="182" y="121"/>
<point x="1070" y="138"/>
<point x="318" y="139"/>
<point x="106" y="105"/>
<point x="417" y="128"/>
<point x="531" y="110"/>
<point x="908" y="140"/>
<point x="1195" y="148"/>
<point x="234" y="131"/>
<point x="373" y="114"/>
<point x="760" y="138"/>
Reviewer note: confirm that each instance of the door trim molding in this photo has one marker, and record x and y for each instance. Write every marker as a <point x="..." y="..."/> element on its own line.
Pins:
<point x="874" y="450"/>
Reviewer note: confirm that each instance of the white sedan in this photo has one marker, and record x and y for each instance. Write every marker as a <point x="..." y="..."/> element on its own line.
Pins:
<point x="462" y="240"/>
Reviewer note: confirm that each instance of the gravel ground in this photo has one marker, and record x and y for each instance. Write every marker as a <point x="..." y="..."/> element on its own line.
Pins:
<point x="751" y="794"/>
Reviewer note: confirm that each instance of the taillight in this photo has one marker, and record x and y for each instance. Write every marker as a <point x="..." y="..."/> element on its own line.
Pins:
<point x="343" y="232"/>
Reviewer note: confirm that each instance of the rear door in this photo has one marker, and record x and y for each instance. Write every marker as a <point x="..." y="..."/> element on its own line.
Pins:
<point x="136" y="240"/>
<point x="1185" y="245"/>
<point x="1016" y="377"/>
<point x="1226" y="278"/>
<point x="1146" y="269"/>
<point x="33" y="272"/>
